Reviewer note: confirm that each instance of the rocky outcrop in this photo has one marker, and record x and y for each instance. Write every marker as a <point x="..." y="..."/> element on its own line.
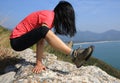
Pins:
<point x="56" y="72"/>
<point x="70" y="44"/>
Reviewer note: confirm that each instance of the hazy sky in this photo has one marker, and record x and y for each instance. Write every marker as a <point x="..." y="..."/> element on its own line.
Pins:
<point x="91" y="15"/>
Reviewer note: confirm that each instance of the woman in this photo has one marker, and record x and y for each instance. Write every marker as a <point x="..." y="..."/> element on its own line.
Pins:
<point x="35" y="28"/>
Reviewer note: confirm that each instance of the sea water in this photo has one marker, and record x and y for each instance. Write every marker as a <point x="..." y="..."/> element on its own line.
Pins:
<point x="107" y="51"/>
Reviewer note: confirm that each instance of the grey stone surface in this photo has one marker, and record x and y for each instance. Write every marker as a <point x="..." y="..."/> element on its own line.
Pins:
<point x="56" y="72"/>
<point x="7" y="78"/>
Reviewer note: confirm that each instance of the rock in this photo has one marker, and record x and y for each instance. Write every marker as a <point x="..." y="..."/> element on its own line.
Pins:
<point x="70" y="44"/>
<point x="56" y="72"/>
<point x="10" y="68"/>
<point x="7" y="78"/>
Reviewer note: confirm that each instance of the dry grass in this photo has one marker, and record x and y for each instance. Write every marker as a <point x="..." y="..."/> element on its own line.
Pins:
<point x="7" y="57"/>
<point x="6" y="52"/>
<point x="4" y="37"/>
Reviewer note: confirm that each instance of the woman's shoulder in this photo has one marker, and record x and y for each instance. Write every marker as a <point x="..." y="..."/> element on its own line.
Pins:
<point x="45" y="12"/>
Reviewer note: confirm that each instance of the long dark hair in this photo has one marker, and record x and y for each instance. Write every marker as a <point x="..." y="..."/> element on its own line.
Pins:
<point x="64" y="20"/>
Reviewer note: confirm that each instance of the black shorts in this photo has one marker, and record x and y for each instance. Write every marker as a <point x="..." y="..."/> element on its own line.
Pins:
<point x="28" y="39"/>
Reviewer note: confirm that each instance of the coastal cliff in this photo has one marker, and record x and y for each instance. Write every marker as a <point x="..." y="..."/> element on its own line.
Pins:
<point x="57" y="71"/>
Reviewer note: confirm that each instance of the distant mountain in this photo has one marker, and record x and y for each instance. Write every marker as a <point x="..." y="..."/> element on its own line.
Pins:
<point x="81" y="36"/>
<point x="88" y="36"/>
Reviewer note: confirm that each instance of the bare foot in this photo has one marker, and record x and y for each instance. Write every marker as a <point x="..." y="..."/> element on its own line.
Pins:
<point x="38" y="68"/>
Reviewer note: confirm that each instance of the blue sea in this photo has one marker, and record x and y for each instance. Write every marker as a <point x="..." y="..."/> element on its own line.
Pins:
<point x="107" y="51"/>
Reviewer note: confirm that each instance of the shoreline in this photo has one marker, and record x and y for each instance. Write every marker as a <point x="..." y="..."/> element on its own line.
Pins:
<point x="95" y="42"/>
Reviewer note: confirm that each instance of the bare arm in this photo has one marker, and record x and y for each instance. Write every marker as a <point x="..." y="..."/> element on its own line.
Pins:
<point x="39" y="55"/>
<point x="40" y="47"/>
<point x="39" y="50"/>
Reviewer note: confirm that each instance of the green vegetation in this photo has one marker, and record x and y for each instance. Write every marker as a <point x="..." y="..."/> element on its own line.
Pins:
<point x="8" y="57"/>
<point x="104" y="66"/>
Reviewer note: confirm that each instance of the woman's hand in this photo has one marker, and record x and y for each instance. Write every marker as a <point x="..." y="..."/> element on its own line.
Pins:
<point x="38" y="67"/>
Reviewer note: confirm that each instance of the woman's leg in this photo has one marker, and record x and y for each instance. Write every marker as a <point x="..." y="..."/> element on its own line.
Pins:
<point x="57" y="43"/>
<point x="35" y="36"/>
<point x="79" y="56"/>
<point x="28" y="39"/>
